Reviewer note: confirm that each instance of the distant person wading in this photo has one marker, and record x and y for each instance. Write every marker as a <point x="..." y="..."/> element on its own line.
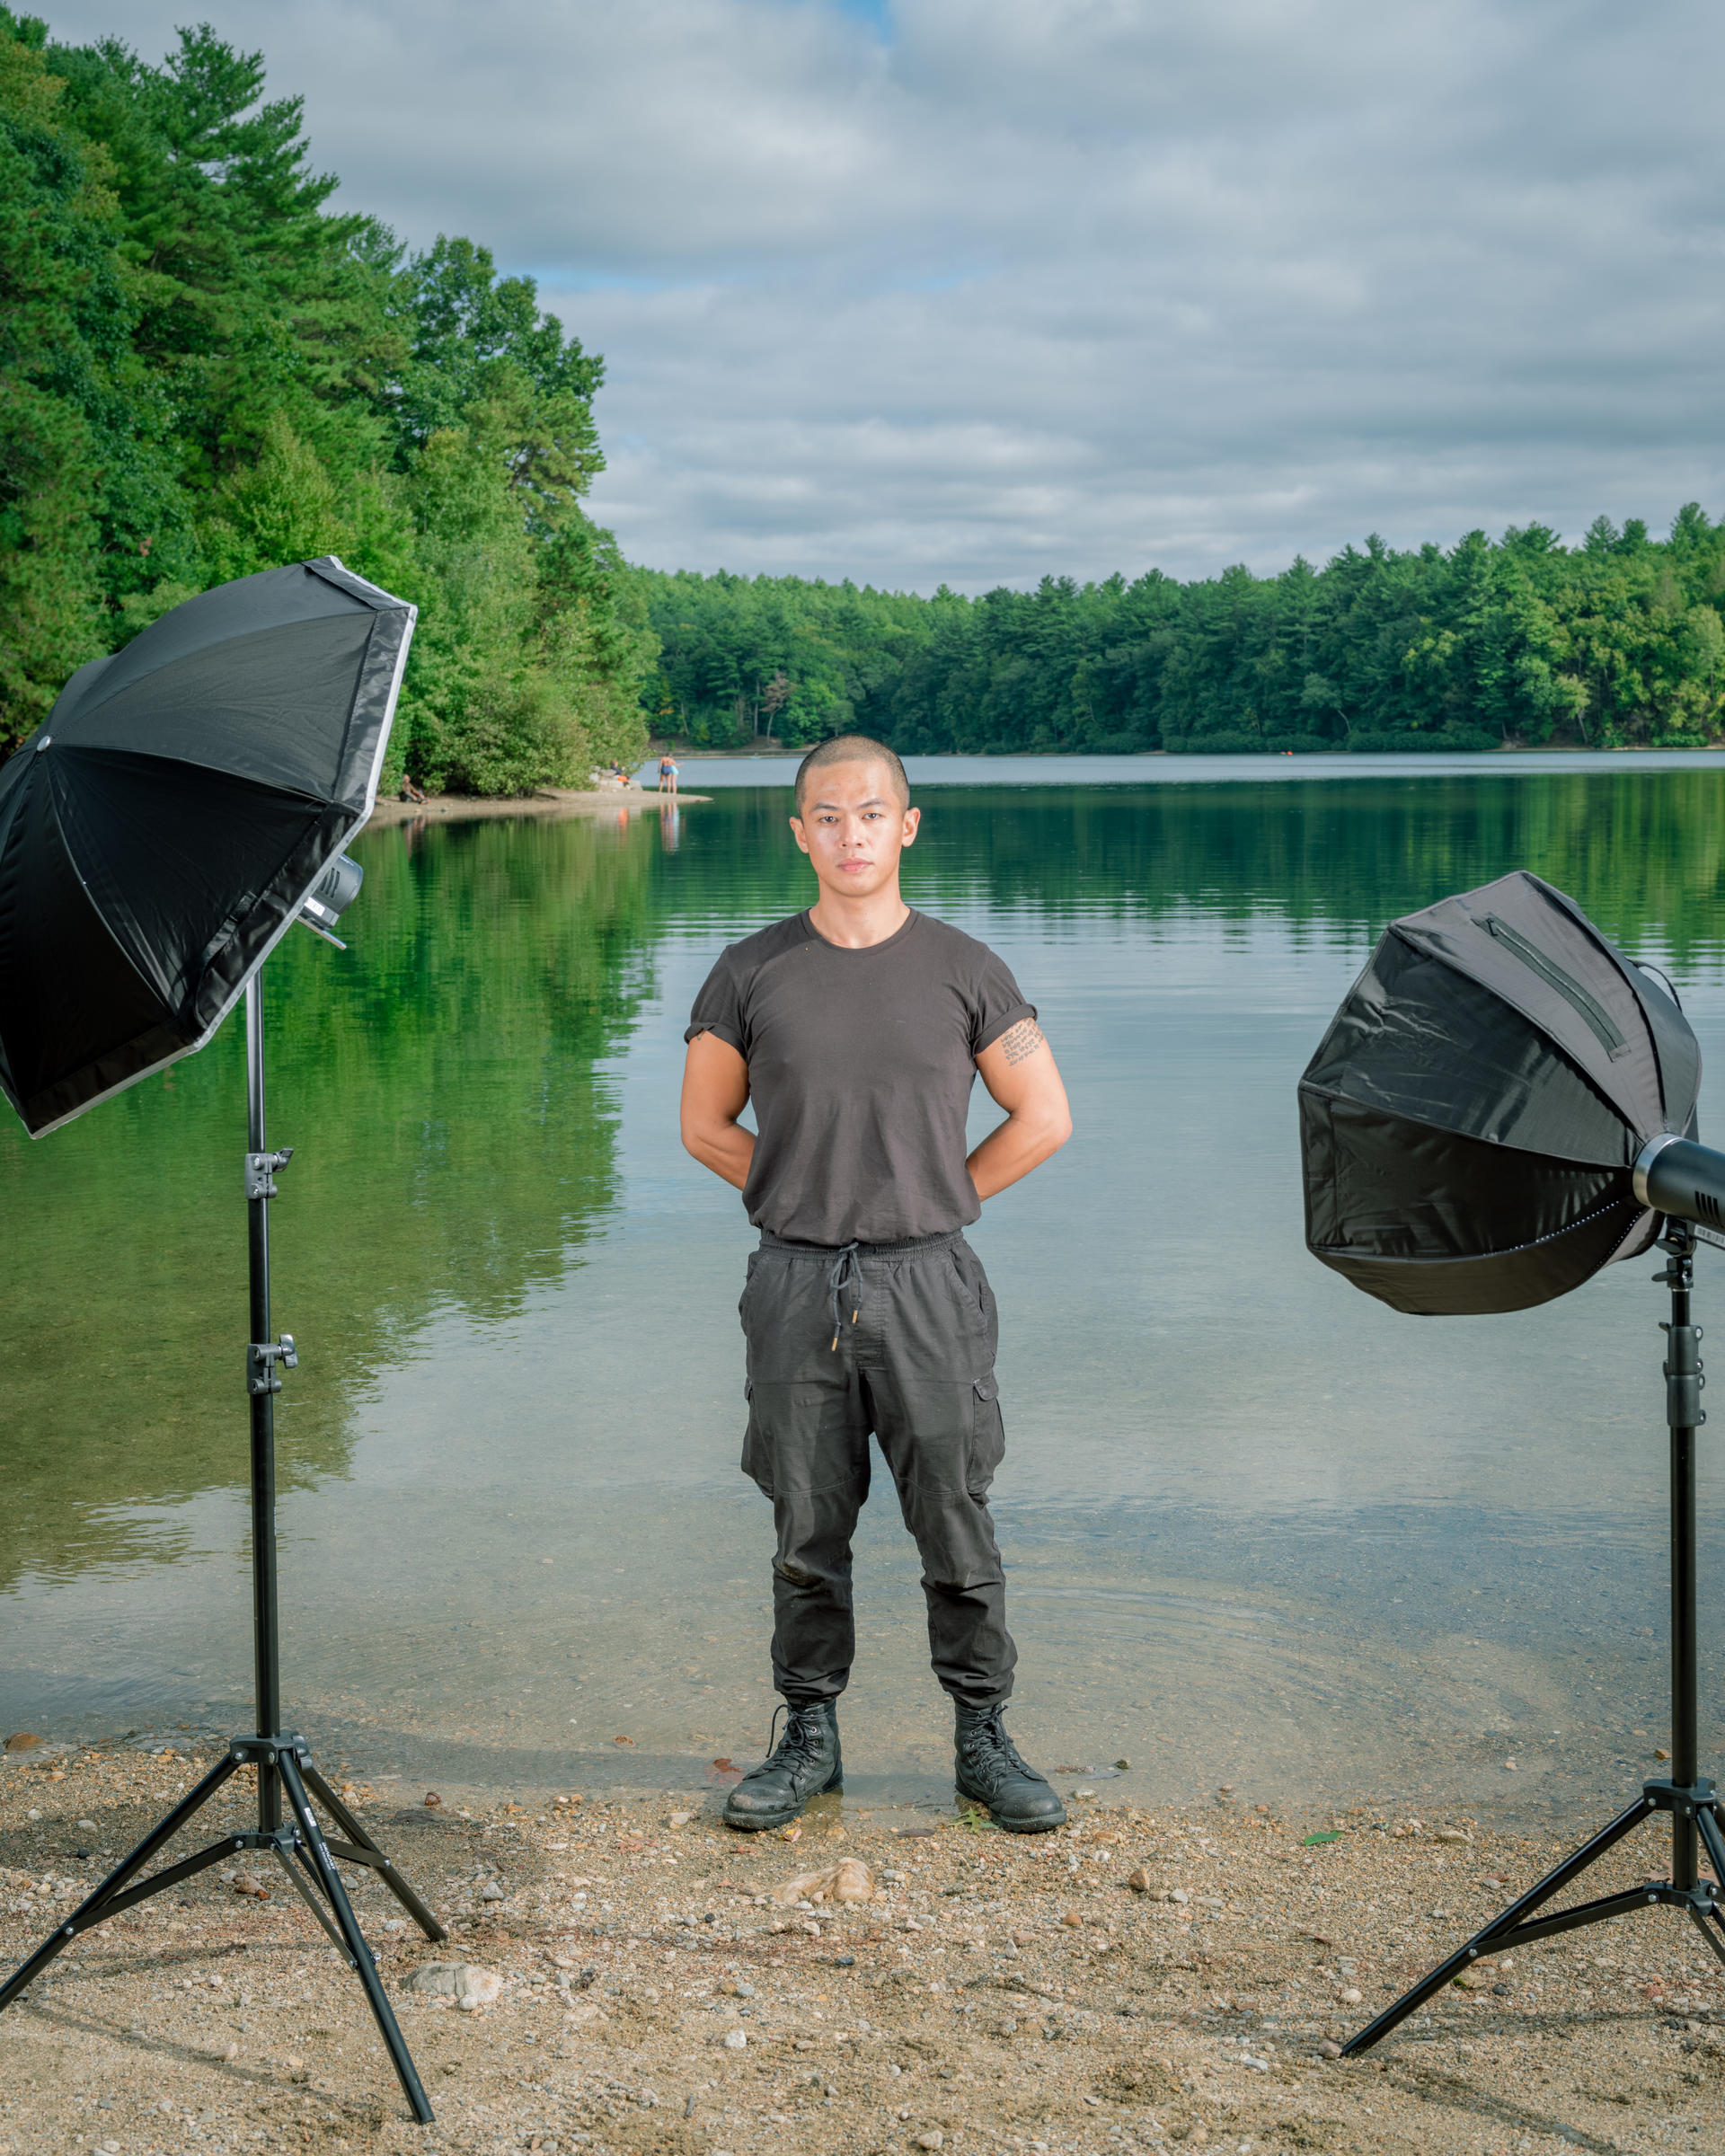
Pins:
<point x="858" y="1029"/>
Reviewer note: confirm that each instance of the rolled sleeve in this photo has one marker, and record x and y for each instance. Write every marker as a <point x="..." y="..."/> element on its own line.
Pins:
<point x="719" y="1008"/>
<point x="1000" y="1004"/>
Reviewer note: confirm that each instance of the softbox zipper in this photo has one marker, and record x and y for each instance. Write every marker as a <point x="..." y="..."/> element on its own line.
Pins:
<point x="1586" y="1007"/>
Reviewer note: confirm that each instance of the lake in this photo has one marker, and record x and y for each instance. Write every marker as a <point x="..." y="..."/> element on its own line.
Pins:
<point x="1261" y="1531"/>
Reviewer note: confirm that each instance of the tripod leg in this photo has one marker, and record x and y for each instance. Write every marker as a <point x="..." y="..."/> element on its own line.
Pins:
<point x="330" y="1879"/>
<point x="1713" y="1925"/>
<point x="310" y="1899"/>
<point x="106" y="1899"/>
<point x="1483" y="1941"/>
<point x="362" y="1850"/>
<point x="1713" y="1839"/>
<point x="1711" y="1930"/>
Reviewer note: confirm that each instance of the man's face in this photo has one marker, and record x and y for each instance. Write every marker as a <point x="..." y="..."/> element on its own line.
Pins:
<point x="852" y="827"/>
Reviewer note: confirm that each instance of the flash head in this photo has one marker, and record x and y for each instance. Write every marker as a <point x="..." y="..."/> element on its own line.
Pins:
<point x="329" y="898"/>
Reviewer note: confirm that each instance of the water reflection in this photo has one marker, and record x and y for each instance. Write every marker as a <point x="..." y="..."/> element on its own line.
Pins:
<point x="1258" y="1525"/>
<point x="454" y="1146"/>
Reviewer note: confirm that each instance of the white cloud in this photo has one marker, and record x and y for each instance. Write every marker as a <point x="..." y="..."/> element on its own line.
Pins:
<point x="1067" y="285"/>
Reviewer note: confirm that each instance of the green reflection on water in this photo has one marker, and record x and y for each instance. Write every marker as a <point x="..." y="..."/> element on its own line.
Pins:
<point x="440" y="1083"/>
<point x="1643" y="852"/>
<point x="444" y="1081"/>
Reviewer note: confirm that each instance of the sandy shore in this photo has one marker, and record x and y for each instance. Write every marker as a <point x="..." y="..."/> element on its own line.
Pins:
<point x="994" y="1995"/>
<point x="549" y="801"/>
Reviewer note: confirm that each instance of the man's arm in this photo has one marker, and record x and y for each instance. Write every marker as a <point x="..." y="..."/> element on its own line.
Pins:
<point x="715" y="1092"/>
<point x="1019" y="1070"/>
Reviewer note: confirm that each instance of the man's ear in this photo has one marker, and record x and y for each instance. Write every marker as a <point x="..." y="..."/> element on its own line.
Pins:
<point x="913" y="822"/>
<point x="796" y="826"/>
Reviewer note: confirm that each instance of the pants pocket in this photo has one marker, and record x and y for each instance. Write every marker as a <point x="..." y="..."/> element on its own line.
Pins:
<point x="981" y="1312"/>
<point x="987" y="1446"/>
<point x="755" y="1258"/>
<point x="757" y="1455"/>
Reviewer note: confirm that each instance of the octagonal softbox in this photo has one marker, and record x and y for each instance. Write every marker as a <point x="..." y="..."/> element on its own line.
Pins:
<point x="1470" y="1120"/>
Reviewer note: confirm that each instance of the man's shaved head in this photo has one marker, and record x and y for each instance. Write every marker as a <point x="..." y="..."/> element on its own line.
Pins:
<point x="853" y="749"/>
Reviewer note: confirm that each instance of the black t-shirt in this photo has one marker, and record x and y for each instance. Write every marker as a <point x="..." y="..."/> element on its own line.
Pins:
<point x="860" y="1068"/>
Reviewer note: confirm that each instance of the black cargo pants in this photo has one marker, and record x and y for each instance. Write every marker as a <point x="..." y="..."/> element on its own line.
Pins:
<point x="899" y="1339"/>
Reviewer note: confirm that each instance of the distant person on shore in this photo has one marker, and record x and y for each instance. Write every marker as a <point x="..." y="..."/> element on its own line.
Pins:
<point x="858" y="1029"/>
<point x="667" y="773"/>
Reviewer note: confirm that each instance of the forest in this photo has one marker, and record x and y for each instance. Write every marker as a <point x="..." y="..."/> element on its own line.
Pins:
<point x="1516" y="643"/>
<point x="205" y="370"/>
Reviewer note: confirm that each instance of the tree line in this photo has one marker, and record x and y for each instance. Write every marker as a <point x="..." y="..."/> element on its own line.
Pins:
<point x="1513" y="642"/>
<point x="206" y="369"/>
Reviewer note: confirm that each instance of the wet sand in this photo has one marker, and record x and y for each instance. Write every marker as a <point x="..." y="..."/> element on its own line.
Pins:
<point x="996" y="1995"/>
<point x="550" y="801"/>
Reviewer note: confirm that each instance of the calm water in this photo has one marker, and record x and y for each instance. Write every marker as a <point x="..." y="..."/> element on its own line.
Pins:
<point x="1261" y="1530"/>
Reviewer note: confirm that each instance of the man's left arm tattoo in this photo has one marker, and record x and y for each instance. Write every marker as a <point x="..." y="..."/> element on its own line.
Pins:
<point x="1022" y="1040"/>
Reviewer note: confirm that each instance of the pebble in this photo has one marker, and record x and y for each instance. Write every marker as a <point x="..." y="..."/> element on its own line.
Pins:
<point x="1072" y="1920"/>
<point x="464" y="1981"/>
<point x="735" y="2039"/>
<point x="491" y="1892"/>
<point x="932" y="2139"/>
<point x="23" y="1740"/>
<point x="848" y="1881"/>
<point x="530" y="2019"/>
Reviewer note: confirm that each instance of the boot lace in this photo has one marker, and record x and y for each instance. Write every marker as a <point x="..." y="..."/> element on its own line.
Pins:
<point x="990" y="1752"/>
<point x="802" y="1736"/>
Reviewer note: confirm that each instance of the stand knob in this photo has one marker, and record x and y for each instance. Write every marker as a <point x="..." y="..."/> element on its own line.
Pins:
<point x="260" y="1171"/>
<point x="262" y="1357"/>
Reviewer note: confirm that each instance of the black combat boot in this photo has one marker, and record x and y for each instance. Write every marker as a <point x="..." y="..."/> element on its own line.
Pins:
<point x="805" y="1763"/>
<point x="990" y="1771"/>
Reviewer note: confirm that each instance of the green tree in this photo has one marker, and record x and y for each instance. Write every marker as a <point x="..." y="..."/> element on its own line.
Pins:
<point x="204" y="372"/>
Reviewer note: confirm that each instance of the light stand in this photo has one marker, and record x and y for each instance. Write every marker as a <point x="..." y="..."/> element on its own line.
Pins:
<point x="283" y="1762"/>
<point x="1696" y="1817"/>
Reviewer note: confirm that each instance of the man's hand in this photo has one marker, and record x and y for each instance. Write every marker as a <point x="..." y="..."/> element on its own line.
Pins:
<point x="715" y="1092"/>
<point x="1019" y="1070"/>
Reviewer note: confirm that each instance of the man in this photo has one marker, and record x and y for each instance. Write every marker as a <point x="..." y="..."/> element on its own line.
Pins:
<point x="858" y="1029"/>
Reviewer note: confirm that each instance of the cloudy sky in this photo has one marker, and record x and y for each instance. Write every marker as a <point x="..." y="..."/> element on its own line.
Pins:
<point x="914" y="290"/>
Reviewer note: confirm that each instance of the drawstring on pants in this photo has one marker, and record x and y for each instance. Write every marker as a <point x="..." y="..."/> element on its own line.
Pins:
<point x="845" y="1270"/>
